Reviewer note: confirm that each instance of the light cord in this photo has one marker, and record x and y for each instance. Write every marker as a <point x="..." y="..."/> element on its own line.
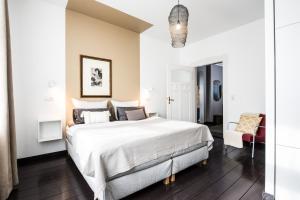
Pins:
<point x="178" y="22"/>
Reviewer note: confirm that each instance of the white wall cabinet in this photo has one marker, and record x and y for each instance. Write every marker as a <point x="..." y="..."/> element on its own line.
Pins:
<point x="287" y="42"/>
<point x="287" y="173"/>
<point x="287" y="12"/>
<point x="288" y="86"/>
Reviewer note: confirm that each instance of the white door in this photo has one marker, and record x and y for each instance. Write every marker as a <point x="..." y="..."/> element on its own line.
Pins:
<point x="181" y="97"/>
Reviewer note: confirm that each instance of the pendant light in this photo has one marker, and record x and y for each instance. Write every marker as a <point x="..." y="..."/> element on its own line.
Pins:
<point x="178" y="23"/>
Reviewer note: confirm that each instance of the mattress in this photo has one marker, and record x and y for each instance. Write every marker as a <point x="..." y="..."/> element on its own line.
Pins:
<point x="69" y="137"/>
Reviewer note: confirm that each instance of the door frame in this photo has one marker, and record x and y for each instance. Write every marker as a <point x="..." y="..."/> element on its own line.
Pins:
<point x="222" y="85"/>
<point x="211" y="60"/>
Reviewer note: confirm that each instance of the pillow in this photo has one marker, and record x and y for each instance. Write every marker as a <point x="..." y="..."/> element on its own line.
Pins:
<point x="123" y="104"/>
<point x="121" y="112"/>
<point x="89" y="104"/>
<point x="78" y="119"/>
<point x="95" y="117"/>
<point x="248" y="124"/>
<point x="138" y="114"/>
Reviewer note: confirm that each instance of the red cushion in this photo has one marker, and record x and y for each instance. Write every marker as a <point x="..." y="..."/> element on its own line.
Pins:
<point x="249" y="138"/>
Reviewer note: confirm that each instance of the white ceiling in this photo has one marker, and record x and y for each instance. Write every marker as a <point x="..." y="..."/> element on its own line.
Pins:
<point x="207" y="17"/>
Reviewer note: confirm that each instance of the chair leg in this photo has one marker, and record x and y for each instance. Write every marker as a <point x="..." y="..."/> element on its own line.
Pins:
<point x="253" y="146"/>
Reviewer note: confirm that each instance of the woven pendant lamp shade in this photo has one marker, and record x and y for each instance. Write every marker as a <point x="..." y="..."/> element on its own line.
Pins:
<point x="178" y="25"/>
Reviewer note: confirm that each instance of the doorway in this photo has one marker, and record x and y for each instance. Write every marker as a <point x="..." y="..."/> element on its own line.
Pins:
<point x="209" y="97"/>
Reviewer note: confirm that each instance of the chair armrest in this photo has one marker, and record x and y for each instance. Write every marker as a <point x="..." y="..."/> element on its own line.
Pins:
<point x="233" y="123"/>
<point x="228" y="124"/>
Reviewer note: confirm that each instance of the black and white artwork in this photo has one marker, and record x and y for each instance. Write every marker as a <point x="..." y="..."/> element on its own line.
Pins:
<point x="95" y="77"/>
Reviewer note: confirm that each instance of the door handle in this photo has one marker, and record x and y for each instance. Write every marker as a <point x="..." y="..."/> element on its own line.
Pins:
<point x="170" y="100"/>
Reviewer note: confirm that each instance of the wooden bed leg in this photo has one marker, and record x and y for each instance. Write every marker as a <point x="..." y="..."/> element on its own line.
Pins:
<point x="172" y="178"/>
<point x="166" y="181"/>
<point x="204" y="162"/>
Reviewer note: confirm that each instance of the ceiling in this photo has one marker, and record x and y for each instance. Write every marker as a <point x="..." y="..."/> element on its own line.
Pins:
<point x="207" y="17"/>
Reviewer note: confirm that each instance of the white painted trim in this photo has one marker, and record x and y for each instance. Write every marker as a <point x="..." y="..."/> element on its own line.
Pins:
<point x="210" y="60"/>
<point x="60" y="3"/>
<point x="270" y="97"/>
<point x="217" y="59"/>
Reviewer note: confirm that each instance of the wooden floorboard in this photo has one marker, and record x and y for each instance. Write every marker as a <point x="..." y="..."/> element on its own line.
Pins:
<point x="229" y="175"/>
<point x="255" y="192"/>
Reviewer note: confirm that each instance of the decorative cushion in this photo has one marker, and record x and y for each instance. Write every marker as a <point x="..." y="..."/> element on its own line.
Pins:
<point x="121" y="112"/>
<point x="138" y="114"/>
<point x="89" y="104"/>
<point x="123" y="104"/>
<point x="248" y="124"/>
<point x="78" y="118"/>
<point x="95" y="117"/>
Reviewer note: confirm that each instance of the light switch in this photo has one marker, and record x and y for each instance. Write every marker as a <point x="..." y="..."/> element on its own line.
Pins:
<point x="232" y="97"/>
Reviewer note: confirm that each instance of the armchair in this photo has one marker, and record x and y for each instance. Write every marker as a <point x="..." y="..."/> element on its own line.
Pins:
<point x="234" y="138"/>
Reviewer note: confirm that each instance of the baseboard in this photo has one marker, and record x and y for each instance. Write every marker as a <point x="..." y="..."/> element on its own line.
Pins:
<point x="32" y="159"/>
<point x="266" y="196"/>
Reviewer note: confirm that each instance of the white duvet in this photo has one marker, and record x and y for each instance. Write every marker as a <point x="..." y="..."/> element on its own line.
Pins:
<point x="107" y="149"/>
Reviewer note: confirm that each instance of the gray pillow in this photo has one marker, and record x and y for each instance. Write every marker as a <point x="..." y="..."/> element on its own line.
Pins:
<point x="138" y="114"/>
<point x="121" y="112"/>
<point x="77" y="119"/>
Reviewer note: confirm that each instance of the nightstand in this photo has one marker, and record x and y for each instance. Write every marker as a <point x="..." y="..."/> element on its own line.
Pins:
<point x="49" y="130"/>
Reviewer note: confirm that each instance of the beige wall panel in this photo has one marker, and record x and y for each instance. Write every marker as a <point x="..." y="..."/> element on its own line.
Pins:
<point x="89" y="36"/>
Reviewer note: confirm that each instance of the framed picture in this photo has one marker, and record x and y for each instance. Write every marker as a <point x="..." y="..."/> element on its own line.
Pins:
<point x="96" y="77"/>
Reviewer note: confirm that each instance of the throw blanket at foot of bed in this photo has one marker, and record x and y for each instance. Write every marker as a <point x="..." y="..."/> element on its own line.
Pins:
<point x="108" y="149"/>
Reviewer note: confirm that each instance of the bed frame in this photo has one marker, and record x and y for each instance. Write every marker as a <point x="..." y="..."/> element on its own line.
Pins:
<point x="128" y="184"/>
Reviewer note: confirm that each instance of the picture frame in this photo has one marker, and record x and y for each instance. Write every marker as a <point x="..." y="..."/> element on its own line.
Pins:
<point x="95" y="77"/>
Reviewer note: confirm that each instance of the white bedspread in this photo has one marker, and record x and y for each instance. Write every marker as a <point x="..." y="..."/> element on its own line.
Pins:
<point x="111" y="148"/>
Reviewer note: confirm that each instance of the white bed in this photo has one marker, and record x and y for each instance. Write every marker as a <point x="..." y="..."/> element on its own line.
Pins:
<point x="119" y="158"/>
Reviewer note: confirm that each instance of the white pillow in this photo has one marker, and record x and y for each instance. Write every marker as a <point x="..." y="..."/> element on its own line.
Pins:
<point x="123" y="104"/>
<point x="95" y="117"/>
<point x="89" y="104"/>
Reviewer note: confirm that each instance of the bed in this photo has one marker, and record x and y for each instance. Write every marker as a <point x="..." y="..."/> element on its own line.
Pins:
<point x="119" y="158"/>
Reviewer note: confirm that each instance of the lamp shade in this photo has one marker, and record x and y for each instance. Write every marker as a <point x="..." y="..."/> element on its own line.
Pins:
<point x="178" y="25"/>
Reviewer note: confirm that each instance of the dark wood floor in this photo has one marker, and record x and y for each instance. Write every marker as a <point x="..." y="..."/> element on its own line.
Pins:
<point x="232" y="175"/>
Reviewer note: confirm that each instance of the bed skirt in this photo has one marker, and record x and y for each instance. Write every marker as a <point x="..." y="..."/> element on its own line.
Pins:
<point x="128" y="184"/>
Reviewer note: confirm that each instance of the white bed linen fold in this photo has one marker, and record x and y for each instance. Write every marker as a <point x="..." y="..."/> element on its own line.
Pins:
<point x="107" y="149"/>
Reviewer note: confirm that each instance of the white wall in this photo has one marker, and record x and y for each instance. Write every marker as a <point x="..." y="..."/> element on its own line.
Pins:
<point x="243" y="56"/>
<point x="155" y="56"/>
<point x="38" y="56"/>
